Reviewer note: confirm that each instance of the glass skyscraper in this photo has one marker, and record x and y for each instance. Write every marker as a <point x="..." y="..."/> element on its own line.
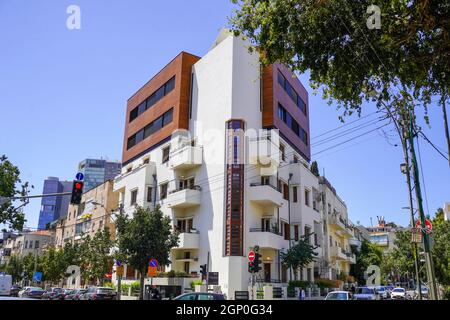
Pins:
<point x="98" y="171"/>
<point x="55" y="207"/>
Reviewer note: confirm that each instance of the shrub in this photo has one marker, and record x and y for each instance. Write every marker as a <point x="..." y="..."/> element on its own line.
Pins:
<point x="327" y="283"/>
<point x="195" y="283"/>
<point x="446" y="295"/>
<point x="298" y="284"/>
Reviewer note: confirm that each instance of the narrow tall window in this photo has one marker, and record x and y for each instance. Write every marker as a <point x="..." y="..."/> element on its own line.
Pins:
<point x="163" y="191"/>
<point x="282" y="152"/>
<point x="149" y="194"/>
<point x="307" y="197"/>
<point x="165" y="154"/>
<point x="134" y="194"/>
<point x="294" y="194"/>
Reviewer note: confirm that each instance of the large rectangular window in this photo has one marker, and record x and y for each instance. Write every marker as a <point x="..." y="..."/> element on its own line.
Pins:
<point x="150" y="129"/>
<point x="289" y="89"/>
<point x="152" y="99"/>
<point x="287" y="118"/>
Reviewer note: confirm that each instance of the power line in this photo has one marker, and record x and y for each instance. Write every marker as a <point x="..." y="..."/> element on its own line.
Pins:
<point x="423" y="176"/>
<point x="431" y="143"/>
<point x="344" y="125"/>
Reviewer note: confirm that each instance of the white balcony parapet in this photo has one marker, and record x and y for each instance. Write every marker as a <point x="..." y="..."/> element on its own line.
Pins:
<point x="265" y="194"/>
<point x="266" y="238"/>
<point x="186" y="157"/>
<point x="189" y="240"/>
<point x="184" y="198"/>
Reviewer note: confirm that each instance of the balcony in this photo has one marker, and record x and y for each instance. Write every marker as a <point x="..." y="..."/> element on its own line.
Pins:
<point x="340" y="225"/>
<point x="186" y="158"/>
<point x="266" y="238"/>
<point x="354" y="242"/>
<point x="184" y="198"/>
<point x="189" y="240"/>
<point x="338" y="253"/>
<point x="265" y="195"/>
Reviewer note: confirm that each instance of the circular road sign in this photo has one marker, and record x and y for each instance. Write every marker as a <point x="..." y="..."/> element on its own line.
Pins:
<point x="79" y="176"/>
<point x="251" y="256"/>
<point x="153" y="263"/>
<point x="428" y="225"/>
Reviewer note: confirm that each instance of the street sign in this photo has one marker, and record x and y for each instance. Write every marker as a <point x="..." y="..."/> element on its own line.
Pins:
<point x="118" y="263"/>
<point x="213" y="278"/>
<point x="416" y="235"/>
<point x="428" y="226"/>
<point x="37" y="276"/>
<point x="151" y="271"/>
<point x="79" y="176"/>
<point x="251" y="256"/>
<point x="153" y="263"/>
<point x="119" y="271"/>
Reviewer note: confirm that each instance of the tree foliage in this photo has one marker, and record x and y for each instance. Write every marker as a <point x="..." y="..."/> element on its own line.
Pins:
<point x="11" y="185"/>
<point x="146" y="235"/>
<point x="441" y="247"/>
<point x="369" y="254"/>
<point x="315" y="168"/>
<point x="346" y="59"/>
<point x="298" y="256"/>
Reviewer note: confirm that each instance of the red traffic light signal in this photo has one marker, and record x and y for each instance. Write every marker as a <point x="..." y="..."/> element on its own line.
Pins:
<point x="77" y="192"/>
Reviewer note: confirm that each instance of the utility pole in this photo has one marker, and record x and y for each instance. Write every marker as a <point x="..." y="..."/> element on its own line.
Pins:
<point x="409" y="129"/>
<point x="407" y="172"/>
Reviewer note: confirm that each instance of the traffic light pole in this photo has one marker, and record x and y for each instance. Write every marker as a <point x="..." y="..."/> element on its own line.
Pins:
<point x="7" y="199"/>
<point x="426" y="238"/>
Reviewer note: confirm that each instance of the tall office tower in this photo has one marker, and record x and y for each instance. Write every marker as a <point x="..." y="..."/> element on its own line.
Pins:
<point x="55" y="207"/>
<point x="97" y="171"/>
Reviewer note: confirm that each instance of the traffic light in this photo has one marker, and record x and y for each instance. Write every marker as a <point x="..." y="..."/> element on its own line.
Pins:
<point x="257" y="261"/>
<point x="251" y="266"/>
<point x="203" y="271"/>
<point x="77" y="192"/>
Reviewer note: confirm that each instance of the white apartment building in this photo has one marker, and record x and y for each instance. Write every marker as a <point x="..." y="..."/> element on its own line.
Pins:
<point x="225" y="189"/>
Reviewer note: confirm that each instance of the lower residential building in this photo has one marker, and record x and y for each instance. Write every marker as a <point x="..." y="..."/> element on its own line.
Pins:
<point x="93" y="214"/>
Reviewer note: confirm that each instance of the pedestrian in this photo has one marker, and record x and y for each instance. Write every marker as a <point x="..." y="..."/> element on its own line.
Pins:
<point x="353" y="289"/>
<point x="302" y="294"/>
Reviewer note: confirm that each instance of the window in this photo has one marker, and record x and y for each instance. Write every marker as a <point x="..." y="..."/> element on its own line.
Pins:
<point x="165" y="154"/>
<point x="287" y="233"/>
<point x="285" y="191"/>
<point x="292" y="123"/>
<point x="36" y="244"/>
<point x="331" y="241"/>
<point x="129" y="169"/>
<point x="307" y="197"/>
<point x="146" y="161"/>
<point x="329" y="208"/>
<point x="163" y="191"/>
<point x="295" y="159"/>
<point x="289" y="89"/>
<point x="134" y="194"/>
<point x="282" y="152"/>
<point x="26" y="244"/>
<point x="296" y="232"/>
<point x="307" y="233"/>
<point x="282" y="113"/>
<point x="151" y="128"/>
<point x="100" y="224"/>
<point x="152" y="99"/>
<point x="294" y="194"/>
<point x="149" y="194"/>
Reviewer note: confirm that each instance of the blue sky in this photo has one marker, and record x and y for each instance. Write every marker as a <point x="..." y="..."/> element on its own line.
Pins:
<point x="63" y="95"/>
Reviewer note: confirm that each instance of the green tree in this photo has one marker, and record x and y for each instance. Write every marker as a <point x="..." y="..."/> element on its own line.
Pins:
<point x="14" y="267"/>
<point x="148" y="234"/>
<point x="441" y="248"/>
<point x="53" y="265"/>
<point x="11" y="185"/>
<point x="402" y="64"/>
<point x="97" y="255"/>
<point x="315" y="168"/>
<point x="369" y="254"/>
<point x="298" y="256"/>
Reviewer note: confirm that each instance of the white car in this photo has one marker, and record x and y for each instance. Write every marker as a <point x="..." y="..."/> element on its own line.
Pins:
<point x="339" y="295"/>
<point x="398" y="294"/>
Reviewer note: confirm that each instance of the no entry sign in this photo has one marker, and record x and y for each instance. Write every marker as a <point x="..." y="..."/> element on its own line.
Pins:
<point x="428" y="226"/>
<point x="251" y="256"/>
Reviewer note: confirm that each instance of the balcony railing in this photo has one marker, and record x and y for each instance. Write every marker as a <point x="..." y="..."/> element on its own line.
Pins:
<point x="271" y="230"/>
<point x="258" y="184"/>
<point x="198" y="188"/>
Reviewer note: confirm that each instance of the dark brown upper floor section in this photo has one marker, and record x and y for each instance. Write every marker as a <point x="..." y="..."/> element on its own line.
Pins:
<point x="168" y="90"/>
<point x="282" y="89"/>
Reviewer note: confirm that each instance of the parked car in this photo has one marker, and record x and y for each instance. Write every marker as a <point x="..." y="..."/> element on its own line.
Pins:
<point x="33" y="292"/>
<point x="99" y="293"/>
<point x="398" y="294"/>
<point x="14" y="292"/>
<point x="78" y="294"/>
<point x="52" y="294"/>
<point x="365" y="293"/>
<point x="67" y="294"/>
<point x="5" y="284"/>
<point x="423" y="290"/>
<point x="382" y="292"/>
<point x="193" y="296"/>
<point x="339" y="295"/>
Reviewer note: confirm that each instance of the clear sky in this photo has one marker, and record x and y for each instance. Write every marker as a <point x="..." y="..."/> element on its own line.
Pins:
<point x="63" y="95"/>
